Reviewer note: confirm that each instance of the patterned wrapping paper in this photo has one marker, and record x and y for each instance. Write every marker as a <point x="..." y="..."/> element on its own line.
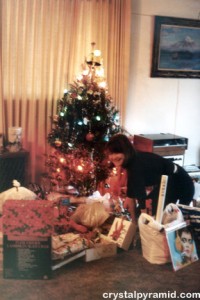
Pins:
<point x="67" y="244"/>
<point x="28" y="218"/>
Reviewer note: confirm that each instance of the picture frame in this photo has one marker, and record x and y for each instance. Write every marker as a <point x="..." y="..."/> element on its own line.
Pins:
<point x="176" y="48"/>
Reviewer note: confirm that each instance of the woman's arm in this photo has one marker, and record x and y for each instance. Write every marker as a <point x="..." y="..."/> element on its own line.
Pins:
<point x="130" y="205"/>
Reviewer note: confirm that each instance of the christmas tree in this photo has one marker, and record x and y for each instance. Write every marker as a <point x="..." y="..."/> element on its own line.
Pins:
<point x="86" y="119"/>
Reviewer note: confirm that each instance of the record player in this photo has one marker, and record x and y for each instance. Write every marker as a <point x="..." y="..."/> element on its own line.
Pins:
<point x="167" y="145"/>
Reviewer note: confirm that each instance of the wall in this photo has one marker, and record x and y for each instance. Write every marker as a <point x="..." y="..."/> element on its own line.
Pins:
<point x="156" y="105"/>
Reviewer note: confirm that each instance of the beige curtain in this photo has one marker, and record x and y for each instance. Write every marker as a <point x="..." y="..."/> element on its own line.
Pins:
<point x="43" y="44"/>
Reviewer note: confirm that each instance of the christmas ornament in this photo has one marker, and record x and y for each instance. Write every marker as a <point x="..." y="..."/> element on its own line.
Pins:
<point x="58" y="143"/>
<point x="90" y="137"/>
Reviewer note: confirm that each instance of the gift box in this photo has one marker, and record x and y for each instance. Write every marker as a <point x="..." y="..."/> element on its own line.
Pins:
<point x="105" y="248"/>
<point x="122" y="232"/>
<point x="28" y="217"/>
<point x="66" y="244"/>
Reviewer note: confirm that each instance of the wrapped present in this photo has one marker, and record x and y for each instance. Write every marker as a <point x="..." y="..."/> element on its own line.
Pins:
<point x="122" y="232"/>
<point x="64" y="225"/>
<point x="104" y="248"/>
<point x="16" y="193"/>
<point x="28" y="217"/>
<point x="67" y="244"/>
<point x="91" y="215"/>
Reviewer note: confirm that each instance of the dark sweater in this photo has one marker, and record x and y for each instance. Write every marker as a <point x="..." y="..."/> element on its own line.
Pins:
<point x="146" y="169"/>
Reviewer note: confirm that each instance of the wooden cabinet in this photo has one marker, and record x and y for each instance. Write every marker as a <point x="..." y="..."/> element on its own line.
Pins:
<point x="13" y="165"/>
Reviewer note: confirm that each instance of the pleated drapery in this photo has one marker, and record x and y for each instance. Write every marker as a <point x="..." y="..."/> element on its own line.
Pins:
<point x="43" y="44"/>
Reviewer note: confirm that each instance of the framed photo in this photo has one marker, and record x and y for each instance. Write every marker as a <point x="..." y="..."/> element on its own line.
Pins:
<point x="176" y="48"/>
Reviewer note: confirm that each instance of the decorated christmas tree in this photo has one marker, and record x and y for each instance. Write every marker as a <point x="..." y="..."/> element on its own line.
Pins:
<point x="86" y="119"/>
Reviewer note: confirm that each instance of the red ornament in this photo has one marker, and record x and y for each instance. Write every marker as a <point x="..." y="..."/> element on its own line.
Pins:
<point x="90" y="137"/>
<point x="58" y="143"/>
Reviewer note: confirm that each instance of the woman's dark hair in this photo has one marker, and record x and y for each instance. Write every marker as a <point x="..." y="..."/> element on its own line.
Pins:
<point x="178" y="235"/>
<point x="119" y="143"/>
<point x="186" y="230"/>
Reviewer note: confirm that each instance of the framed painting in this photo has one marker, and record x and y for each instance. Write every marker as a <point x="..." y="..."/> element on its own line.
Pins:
<point x="176" y="48"/>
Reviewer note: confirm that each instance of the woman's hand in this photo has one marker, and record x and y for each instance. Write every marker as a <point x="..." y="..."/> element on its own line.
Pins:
<point x="130" y="204"/>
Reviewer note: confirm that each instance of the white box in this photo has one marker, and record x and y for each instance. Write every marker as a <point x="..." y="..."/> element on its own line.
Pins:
<point x="122" y="232"/>
<point x="105" y="248"/>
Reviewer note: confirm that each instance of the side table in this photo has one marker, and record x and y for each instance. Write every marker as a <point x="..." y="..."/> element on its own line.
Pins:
<point x="13" y="165"/>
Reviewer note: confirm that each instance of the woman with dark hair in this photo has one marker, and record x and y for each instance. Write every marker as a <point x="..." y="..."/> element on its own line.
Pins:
<point x="145" y="169"/>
